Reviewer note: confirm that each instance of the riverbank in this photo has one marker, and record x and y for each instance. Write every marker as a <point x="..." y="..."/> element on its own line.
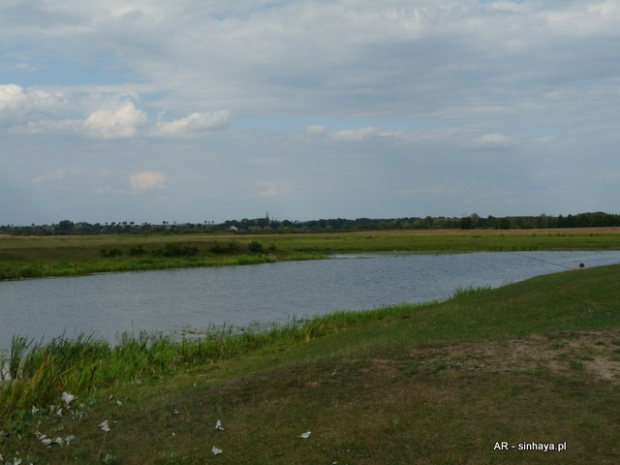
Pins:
<point x="490" y="376"/>
<point x="36" y="257"/>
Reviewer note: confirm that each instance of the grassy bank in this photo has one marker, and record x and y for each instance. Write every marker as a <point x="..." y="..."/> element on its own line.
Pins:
<point x="33" y="257"/>
<point x="529" y="364"/>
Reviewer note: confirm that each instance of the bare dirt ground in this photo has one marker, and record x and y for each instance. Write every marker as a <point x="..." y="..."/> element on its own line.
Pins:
<point x="591" y="353"/>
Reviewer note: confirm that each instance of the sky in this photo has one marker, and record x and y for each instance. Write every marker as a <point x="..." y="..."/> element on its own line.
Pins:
<point x="210" y="110"/>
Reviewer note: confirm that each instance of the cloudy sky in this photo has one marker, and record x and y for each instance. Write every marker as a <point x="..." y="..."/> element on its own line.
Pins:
<point x="208" y="110"/>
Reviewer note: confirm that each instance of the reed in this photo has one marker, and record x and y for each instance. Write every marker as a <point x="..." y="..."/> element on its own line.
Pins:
<point x="469" y="290"/>
<point x="86" y="364"/>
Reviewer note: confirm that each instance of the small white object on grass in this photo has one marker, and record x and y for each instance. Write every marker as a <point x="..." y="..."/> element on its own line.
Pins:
<point x="216" y="451"/>
<point x="305" y="435"/>
<point x="68" y="398"/>
<point x="218" y="425"/>
<point x="104" y="426"/>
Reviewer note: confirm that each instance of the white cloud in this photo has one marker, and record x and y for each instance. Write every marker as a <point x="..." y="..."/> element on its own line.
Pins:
<point x="493" y="141"/>
<point x="584" y="19"/>
<point x="316" y="131"/>
<point x="108" y="113"/>
<point x="362" y="134"/>
<point x="11" y="95"/>
<point x="54" y="175"/>
<point x="35" y="110"/>
<point x="18" y="104"/>
<point x="146" y="181"/>
<point x="506" y="5"/>
<point x="351" y="134"/>
<point x="119" y="121"/>
<point x="194" y="124"/>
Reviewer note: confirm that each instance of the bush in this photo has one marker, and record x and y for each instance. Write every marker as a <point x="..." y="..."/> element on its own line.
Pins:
<point x="179" y="250"/>
<point x="220" y="247"/>
<point x="29" y="272"/>
<point x="110" y="253"/>
<point x="255" y="247"/>
<point x="137" y="251"/>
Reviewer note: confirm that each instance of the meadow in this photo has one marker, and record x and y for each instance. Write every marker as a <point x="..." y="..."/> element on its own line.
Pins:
<point x="526" y="373"/>
<point x="41" y="256"/>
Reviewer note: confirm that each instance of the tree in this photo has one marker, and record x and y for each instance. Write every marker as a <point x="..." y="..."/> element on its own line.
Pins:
<point x="65" y="227"/>
<point x="467" y="222"/>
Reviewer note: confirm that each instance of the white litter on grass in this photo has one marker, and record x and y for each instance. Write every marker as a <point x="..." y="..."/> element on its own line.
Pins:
<point x="68" y="398"/>
<point x="104" y="426"/>
<point x="50" y="442"/>
<point x="16" y="461"/>
<point x="216" y="451"/>
<point x="305" y="435"/>
<point x="218" y="425"/>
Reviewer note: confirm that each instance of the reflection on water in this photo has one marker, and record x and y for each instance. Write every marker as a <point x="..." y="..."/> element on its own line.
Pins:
<point x="112" y="303"/>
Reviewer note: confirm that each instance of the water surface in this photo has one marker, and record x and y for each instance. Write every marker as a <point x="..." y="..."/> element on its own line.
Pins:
<point x="109" y="304"/>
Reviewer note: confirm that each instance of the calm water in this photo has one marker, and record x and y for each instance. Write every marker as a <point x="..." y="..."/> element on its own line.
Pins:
<point x="112" y="303"/>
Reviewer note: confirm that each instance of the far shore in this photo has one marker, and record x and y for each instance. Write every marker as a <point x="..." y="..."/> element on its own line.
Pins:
<point x="72" y="255"/>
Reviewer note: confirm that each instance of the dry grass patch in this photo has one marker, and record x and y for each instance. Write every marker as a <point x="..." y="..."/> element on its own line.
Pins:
<point x="596" y="353"/>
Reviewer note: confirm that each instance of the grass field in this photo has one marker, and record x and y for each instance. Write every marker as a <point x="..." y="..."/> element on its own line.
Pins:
<point x="33" y="257"/>
<point x="525" y="366"/>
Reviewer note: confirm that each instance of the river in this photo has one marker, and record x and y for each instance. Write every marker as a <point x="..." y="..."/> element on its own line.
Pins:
<point x="109" y="304"/>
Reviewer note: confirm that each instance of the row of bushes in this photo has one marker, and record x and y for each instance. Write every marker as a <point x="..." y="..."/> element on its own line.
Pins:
<point x="188" y="250"/>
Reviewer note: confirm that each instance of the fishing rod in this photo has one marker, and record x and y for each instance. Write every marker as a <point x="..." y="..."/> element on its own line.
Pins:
<point x="544" y="261"/>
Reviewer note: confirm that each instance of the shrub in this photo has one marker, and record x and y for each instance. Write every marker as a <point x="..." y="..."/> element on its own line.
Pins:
<point x="220" y="247"/>
<point x="110" y="253"/>
<point x="137" y="251"/>
<point x="177" y="250"/>
<point x="255" y="247"/>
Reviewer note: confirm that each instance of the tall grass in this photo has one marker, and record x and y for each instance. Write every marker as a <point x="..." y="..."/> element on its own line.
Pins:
<point x="81" y="366"/>
<point x="469" y="290"/>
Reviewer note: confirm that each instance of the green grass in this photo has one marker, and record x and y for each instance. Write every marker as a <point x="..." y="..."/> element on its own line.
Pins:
<point x="34" y="257"/>
<point x="439" y="383"/>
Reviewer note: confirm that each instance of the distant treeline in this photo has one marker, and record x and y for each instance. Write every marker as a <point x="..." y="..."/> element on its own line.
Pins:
<point x="268" y="225"/>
